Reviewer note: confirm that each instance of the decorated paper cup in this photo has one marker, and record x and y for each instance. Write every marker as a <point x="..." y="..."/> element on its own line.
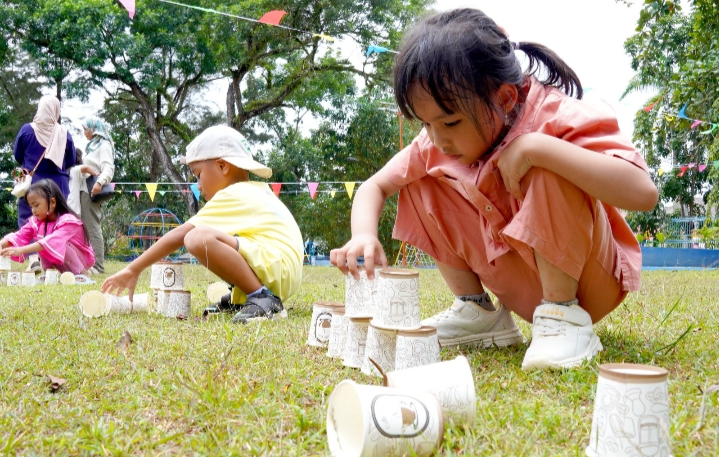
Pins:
<point x="451" y="382"/>
<point x="416" y="348"/>
<point x="5" y="263"/>
<point x="321" y="324"/>
<point x="123" y="305"/>
<point x="353" y="354"/>
<point x="360" y="295"/>
<point x="94" y="304"/>
<point x="175" y="303"/>
<point x="67" y="278"/>
<point x="380" y="347"/>
<point x="216" y="291"/>
<point x="631" y="412"/>
<point x="364" y="421"/>
<point x="167" y="275"/>
<point x="14" y="278"/>
<point x="338" y="333"/>
<point x="3" y="277"/>
<point x="52" y="277"/>
<point x="398" y="299"/>
<point x="28" y="279"/>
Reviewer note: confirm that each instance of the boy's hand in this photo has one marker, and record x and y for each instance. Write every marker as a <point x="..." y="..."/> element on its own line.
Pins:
<point x="345" y="258"/>
<point x="117" y="283"/>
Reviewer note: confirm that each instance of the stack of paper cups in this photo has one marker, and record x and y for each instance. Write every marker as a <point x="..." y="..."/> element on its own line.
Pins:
<point x="167" y="276"/>
<point x="360" y="294"/>
<point x="338" y="333"/>
<point x="167" y="281"/>
<point x="380" y="348"/>
<point x="354" y="351"/>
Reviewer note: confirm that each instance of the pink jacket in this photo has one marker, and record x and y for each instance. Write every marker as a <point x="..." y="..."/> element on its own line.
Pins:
<point x="66" y="229"/>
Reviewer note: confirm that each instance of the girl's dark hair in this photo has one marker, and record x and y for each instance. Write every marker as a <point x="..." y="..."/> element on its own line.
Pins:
<point x="78" y="156"/>
<point x="462" y="55"/>
<point x="47" y="189"/>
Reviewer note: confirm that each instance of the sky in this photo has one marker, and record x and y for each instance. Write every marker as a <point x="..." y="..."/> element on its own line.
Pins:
<point x="588" y="34"/>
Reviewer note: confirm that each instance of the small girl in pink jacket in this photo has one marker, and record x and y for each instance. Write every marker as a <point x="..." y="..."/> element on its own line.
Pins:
<point x="54" y="231"/>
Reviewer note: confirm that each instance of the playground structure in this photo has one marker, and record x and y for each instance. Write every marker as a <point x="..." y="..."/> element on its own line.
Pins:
<point x="148" y="227"/>
<point x="411" y="256"/>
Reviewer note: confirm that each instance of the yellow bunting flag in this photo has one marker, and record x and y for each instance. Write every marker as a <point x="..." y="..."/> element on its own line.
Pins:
<point x="151" y="189"/>
<point x="350" y="186"/>
<point x="324" y="37"/>
<point x="332" y="193"/>
<point x="661" y="171"/>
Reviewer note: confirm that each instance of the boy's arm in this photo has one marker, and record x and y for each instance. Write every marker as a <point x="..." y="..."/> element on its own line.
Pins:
<point x="127" y="277"/>
<point x="611" y="180"/>
<point x="366" y="211"/>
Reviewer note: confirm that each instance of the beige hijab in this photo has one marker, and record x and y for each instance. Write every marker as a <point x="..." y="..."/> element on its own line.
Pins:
<point x="47" y="130"/>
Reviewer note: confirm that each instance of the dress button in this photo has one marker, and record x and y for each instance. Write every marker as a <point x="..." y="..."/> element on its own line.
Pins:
<point x="488" y="207"/>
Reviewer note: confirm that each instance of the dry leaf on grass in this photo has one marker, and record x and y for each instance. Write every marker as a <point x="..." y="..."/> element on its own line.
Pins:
<point x="55" y="383"/>
<point x="181" y="317"/>
<point x="125" y="341"/>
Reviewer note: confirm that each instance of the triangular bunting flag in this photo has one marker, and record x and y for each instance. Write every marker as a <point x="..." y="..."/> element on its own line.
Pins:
<point x="702" y="167"/>
<point x="151" y="189"/>
<point x="112" y="184"/>
<point x="273" y="17"/>
<point x="312" y="186"/>
<point x="195" y="191"/>
<point x="332" y="193"/>
<point x="669" y="117"/>
<point x="681" y="173"/>
<point x="682" y="112"/>
<point x="276" y="186"/>
<point x="372" y="48"/>
<point x="137" y="193"/>
<point x="692" y="165"/>
<point x="649" y="107"/>
<point x="350" y="186"/>
<point x="161" y="192"/>
<point x="660" y="172"/>
<point x="324" y="37"/>
<point x="716" y="164"/>
<point x="707" y="132"/>
<point x="696" y="123"/>
<point x="129" y="6"/>
<point x="184" y="191"/>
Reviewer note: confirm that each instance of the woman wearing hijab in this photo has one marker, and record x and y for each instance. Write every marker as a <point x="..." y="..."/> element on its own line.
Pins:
<point x="99" y="157"/>
<point x="44" y="135"/>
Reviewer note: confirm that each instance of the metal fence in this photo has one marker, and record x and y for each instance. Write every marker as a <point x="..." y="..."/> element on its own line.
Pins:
<point x="692" y="233"/>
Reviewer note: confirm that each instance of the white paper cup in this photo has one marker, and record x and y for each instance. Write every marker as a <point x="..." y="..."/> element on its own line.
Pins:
<point x="321" y="323"/>
<point x="631" y="412"/>
<point x="123" y="305"/>
<point x="338" y="333"/>
<point x="5" y="263"/>
<point x="216" y="291"/>
<point x="14" y="278"/>
<point x="380" y="347"/>
<point x="398" y="299"/>
<point x="3" y="277"/>
<point x="167" y="275"/>
<point x="94" y="304"/>
<point x="175" y="303"/>
<point x="416" y="348"/>
<point x="28" y="279"/>
<point x="52" y="277"/>
<point x="360" y="295"/>
<point x="67" y="278"/>
<point x="364" y="421"/>
<point x="451" y="382"/>
<point x="353" y="354"/>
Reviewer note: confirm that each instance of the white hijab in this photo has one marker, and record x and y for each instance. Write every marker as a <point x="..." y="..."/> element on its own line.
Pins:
<point x="48" y="131"/>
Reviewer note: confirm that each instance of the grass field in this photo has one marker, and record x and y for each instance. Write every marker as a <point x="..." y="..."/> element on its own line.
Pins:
<point x="216" y="388"/>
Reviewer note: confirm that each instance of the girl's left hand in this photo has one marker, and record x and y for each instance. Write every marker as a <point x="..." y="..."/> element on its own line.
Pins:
<point x="12" y="251"/>
<point x="96" y="189"/>
<point x="514" y="163"/>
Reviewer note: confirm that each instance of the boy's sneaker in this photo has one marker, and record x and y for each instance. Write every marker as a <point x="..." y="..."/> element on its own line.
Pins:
<point x="466" y="323"/>
<point x="562" y="337"/>
<point x="222" y="306"/>
<point x="261" y="306"/>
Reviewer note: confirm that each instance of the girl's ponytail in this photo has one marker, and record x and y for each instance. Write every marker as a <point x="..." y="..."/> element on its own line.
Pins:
<point x="559" y="73"/>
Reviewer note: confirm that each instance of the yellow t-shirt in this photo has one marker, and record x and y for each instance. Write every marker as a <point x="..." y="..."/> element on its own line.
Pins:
<point x="270" y="239"/>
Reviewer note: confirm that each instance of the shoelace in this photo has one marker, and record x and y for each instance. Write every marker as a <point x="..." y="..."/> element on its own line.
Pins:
<point x="550" y="327"/>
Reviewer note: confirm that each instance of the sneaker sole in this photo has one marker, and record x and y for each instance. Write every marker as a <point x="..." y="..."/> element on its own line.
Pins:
<point x="281" y="315"/>
<point x="595" y="345"/>
<point x="486" y="340"/>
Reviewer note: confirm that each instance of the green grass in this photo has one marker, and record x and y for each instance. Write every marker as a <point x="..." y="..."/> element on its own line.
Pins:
<point x="215" y="388"/>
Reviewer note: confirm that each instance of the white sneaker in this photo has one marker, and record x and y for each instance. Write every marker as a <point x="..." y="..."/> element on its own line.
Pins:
<point x="466" y="322"/>
<point x="562" y="337"/>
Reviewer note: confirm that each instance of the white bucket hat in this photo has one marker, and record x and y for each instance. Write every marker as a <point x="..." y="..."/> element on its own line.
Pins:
<point x="226" y="143"/>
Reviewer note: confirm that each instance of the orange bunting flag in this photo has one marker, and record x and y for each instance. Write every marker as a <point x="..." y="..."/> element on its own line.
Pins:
<point x="350" y="186"/>
<point x="649" y="107"/>
<point x="129" y="6"/>
<point x="702" y="167"/>
<point x="312" y="186"/>
<point x="151" y="189"/>
<point x="696" y="123"/>
<point x="681" y="173"/>
<point x="273" y="17"/>
<point x="276" y="186"/>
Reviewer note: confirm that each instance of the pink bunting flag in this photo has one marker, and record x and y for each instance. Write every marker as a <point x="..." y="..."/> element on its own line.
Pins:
<point x="696" y="123"/>
<point x="312" y="186"/>
<point x="129" y="6"/>
<point x="702" y="167"/>
<point x="137" y="193"/>
<point x="273" y="17"/>
<point x="112" y="184"/>
<point x="691" y="165"/>
<point x="276" y="186"/>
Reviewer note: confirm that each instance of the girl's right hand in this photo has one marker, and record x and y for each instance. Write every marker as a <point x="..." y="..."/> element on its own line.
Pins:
<point x="117" y="283"/>
<point x="345" y="258"/>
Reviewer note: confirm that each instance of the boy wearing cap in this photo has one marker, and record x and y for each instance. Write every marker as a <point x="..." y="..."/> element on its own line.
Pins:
<point x="244" y="233"/>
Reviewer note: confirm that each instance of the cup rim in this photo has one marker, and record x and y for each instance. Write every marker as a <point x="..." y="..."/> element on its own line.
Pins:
<point x="649" y="374"/>
<point x="423" y="330"/>
<point x="328" y="304"/>
<point x="398" y="272"/>
<point x="360" y="320"/>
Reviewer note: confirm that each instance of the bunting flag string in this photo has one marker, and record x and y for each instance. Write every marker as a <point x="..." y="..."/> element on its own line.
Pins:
<point x="683" y="115"/>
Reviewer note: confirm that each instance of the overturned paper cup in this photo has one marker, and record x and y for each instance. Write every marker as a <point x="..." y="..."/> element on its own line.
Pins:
<point x="321" y="323"/>
<point x="364" y="421"/>
<point x="216" y="291"/>
<point x="52" y="277"/>
<point x="67" y="278"/>
<point x="14" y="278"/>
<point x="94" y="304"/>
<point x="451" y="382"/>
<point x="175" y="303"/>
<point x="631" y="412"/>
<point x="416" y="348"/>
<point x="338" y="333"/>
<point x="381" y="345"/>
